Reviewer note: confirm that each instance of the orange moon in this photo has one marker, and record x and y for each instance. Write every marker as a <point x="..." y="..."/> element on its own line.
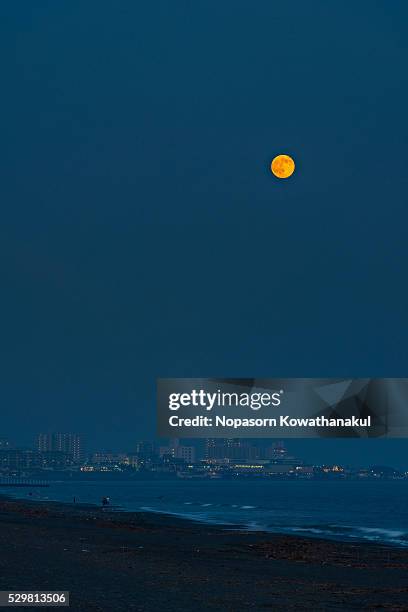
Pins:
<point x="283" y="166"/>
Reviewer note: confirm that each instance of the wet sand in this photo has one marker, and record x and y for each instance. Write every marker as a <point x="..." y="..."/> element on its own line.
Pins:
<point x="111" y="561"/>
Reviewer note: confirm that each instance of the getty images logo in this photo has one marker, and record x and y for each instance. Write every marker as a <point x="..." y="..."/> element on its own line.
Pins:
<point x="204" y="399"/>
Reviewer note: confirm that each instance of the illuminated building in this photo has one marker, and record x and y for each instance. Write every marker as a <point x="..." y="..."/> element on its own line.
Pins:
<point x="67" y="443"/>
<point x="178" y="451"/>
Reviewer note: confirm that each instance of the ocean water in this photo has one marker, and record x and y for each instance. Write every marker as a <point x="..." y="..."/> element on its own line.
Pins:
<point x="375" y="511"/>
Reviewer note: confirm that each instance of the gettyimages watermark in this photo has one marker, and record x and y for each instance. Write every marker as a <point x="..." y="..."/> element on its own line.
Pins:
<point x="208" y="400"/>
<point x="291" y="407"/>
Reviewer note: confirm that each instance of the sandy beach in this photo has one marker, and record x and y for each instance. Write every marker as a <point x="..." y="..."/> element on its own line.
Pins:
<point x="146" y="562"/>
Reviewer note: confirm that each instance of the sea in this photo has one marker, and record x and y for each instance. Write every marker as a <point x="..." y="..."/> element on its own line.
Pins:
<point x="370" y="511"/>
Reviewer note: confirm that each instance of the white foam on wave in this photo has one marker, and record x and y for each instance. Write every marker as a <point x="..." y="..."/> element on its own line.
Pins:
<point x="372" y="534"/>
<point x="253" y="526"/>
<point x="388" y="533"/>
<point x="309" y="530"/>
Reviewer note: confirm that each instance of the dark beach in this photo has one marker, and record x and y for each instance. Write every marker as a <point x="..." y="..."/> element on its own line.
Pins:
<point x="140" y="561"/>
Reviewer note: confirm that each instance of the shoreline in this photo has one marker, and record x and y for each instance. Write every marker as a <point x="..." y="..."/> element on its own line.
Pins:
<point x="242" y="527"/>
<point x="145" y="561"/>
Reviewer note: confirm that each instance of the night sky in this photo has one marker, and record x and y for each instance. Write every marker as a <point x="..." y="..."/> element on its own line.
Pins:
<point x="142" y="233"/>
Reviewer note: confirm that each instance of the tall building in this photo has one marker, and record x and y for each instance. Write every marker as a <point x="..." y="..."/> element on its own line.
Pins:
<point x="4" y="444"/>
<point x="229" y="448"/>
<point x="145" y="449"/>
<point x="68" y="443"/>
<point x="178" y="451"/>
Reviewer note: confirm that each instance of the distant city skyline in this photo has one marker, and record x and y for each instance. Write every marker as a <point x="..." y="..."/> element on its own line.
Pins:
<point x="353" y="452"/>
<point x="62" y="455"/>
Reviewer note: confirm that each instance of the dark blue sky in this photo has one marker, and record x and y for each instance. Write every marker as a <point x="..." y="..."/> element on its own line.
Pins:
<point x="142" y="234"/>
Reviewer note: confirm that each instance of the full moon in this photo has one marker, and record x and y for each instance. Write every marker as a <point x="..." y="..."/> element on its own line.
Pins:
<point x="283" y="166"/>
